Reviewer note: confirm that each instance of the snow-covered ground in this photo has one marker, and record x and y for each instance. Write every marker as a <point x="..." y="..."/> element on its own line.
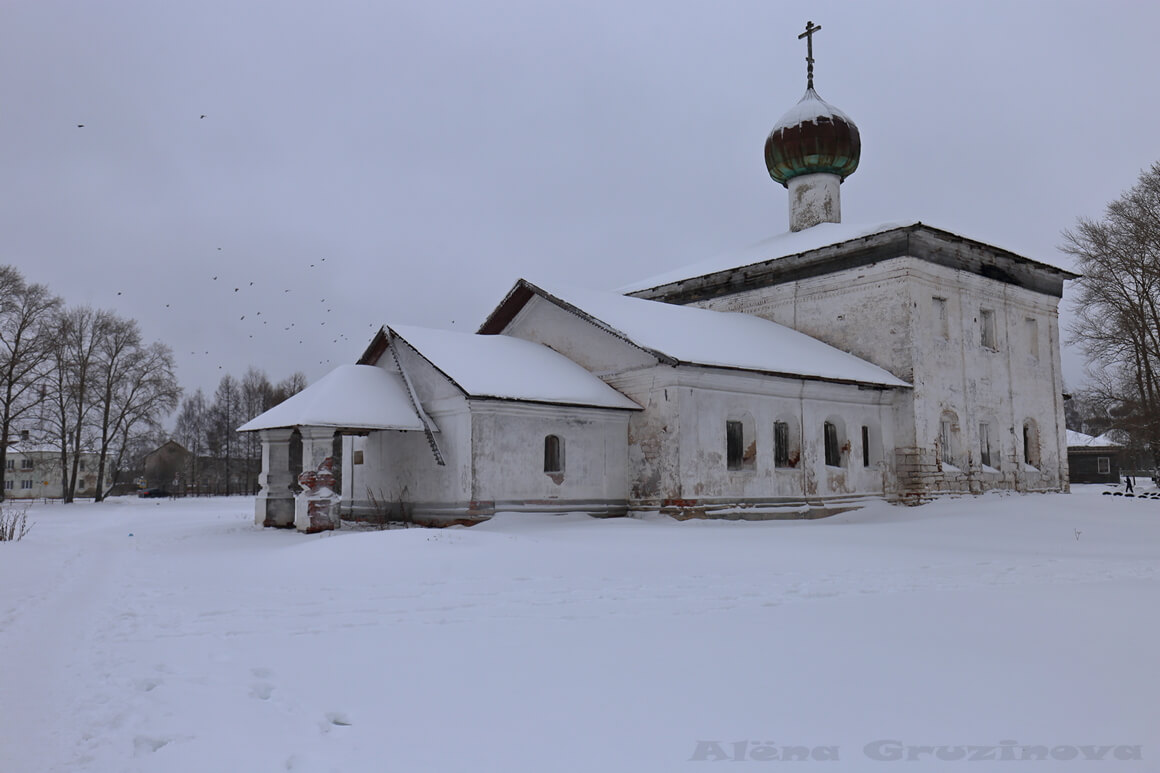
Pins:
<point x="145" y="635"/>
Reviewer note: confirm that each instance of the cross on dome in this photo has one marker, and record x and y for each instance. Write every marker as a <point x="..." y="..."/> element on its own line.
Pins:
<point x="809" y="36"/>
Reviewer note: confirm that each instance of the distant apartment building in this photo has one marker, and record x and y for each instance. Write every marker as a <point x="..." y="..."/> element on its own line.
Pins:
<point x="33" y="471"/>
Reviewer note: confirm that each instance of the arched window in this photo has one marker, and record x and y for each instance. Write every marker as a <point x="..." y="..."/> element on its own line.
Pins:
<point x="989" y="443"/>
<point x="948" y="438"/>
<point x="832" y="444"/>
<point x="553" y="454"/>
<point x="1031" y="443"/>
<point x="985" y="444"/>
<point x="787" y="446"/>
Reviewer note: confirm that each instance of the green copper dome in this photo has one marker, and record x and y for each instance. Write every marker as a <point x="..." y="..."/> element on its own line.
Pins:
<point x="812" y="137"/>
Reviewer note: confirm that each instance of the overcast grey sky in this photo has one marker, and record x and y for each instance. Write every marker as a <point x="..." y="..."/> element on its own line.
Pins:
<point x="406" y="162"/>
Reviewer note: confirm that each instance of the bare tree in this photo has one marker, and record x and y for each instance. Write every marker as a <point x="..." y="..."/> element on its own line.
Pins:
<point x="1118" y="307"/>
<point x="256" y="397"/>
<point x="73" y="382"/>
<point x="191" y="429"/>
<point x="26" y="349"/>
<point x="223" y="421"/>
<point x="287" y="388"/>
<point x="139" y="388"/>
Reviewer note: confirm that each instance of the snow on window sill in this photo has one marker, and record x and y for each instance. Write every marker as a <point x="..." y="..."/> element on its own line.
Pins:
<point x="948" y="467"/>
<point x="1029" y="468"/>
<point x="990" y="469"/>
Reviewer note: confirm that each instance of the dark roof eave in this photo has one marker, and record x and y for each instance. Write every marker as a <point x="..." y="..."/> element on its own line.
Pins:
<point x="345" y="429"/>
<point x="893" y="242"/>
<point x="498" y="398"/>
<point x="799" y="376"/>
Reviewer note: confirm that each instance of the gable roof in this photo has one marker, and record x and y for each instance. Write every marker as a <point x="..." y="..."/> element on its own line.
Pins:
<point x="357" y="397"/>
<point x="503" y="367"/>
<point x="1080" y="440"/>
<point x="693" y="336"/>
<point x="829" y="247"/>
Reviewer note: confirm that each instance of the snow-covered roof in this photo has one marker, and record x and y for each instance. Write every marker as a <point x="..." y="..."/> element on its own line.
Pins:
<point x="36" y="448"/>
<point x="715" y="338"/>
<point x="779" y="246"/>
<point x="349" y="397"/>
<point x="1080" y="440"/>
<point x="816" y="237"/>
<point x="510" y="368"/>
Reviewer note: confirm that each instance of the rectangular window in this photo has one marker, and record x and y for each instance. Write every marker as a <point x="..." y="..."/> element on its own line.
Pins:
<point x="780" y="444"/>
<point x="25" y="484"/>
<point x="987" y="321"/>
<point x="26" y="464"/>
<point x="1030" y="444"/>
<point x="944" y="440"/>
<point x="833" y="453"/>
<point x="941" y="324"/>
<point x="82" y="466"/>
<point x="734" y="444"/>
<point x="8" y="485"/>
<point x="985" y="444"/>
<point x="1032" y="326"/>
<point x="865" y="446"/>
<point x="1103" y="465"/>
<point x="10" y="464"/>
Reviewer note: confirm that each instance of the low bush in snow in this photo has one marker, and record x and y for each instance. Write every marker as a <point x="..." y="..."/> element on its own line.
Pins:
<point x="13" y="524"/>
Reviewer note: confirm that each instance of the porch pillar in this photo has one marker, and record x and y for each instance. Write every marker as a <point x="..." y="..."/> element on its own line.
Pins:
<point x="274" y="505"/>
<point x="317" y="445"/>
<point x="316" y="506"/>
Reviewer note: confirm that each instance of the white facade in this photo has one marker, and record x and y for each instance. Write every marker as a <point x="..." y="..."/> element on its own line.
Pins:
<point x="982" y="352"/>
<point x="678" y="445"/>
<point x="493" y="453"/>
<point x="900" y="364"/>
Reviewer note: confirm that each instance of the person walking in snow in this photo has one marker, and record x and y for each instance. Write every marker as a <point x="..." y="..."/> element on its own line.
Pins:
<point x="1127" y="483"/>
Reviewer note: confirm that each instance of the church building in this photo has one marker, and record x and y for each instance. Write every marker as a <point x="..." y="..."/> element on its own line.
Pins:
<point x="796" y="378"/>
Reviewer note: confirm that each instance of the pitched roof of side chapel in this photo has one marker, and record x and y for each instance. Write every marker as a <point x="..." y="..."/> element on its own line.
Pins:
<point x="503" y="367"/>
<point x="693" y="336"/>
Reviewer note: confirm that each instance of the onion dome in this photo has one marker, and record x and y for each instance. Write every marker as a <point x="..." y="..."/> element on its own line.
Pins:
<point x="812" y="137"/>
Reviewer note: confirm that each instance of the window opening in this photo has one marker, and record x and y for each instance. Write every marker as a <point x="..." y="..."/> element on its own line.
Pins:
<point x="833" y="453"/>
<point x="553" y="454"/>
<point x="988" y="328"/>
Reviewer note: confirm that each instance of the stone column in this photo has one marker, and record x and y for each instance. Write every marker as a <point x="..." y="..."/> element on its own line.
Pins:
<point x="316" y="506"/>
<point x="317" y="445"/>
<point x="274" y="505"/>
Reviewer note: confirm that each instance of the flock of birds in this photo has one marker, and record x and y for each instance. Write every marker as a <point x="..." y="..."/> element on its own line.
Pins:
<point x="256" y="313"/>
<point x="252" y="302"/>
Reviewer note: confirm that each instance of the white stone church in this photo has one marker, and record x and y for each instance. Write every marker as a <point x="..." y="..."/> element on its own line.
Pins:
<point x="818" y="368"/>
